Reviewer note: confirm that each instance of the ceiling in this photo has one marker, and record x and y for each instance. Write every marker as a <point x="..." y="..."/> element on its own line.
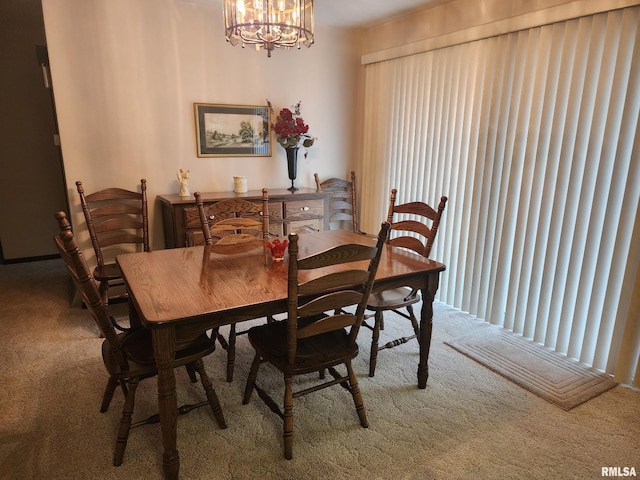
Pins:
<point x="351" y="13"/>
<point x="354" y="13"/>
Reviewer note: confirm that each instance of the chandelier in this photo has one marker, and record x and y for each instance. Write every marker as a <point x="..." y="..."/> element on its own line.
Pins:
<point x="269" y="23"/>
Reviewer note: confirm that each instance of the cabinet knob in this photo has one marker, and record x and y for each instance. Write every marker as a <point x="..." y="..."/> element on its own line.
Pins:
<point x="304" y="209"/>
<point x="211" y="217"/>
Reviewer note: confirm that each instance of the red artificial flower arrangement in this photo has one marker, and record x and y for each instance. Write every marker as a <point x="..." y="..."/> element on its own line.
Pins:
<point x="290" y="129"/>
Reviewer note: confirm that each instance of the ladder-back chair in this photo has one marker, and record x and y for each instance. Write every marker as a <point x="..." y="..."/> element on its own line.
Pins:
<point x="310" y="341"/>
<point x="343" y="204"/>
<point x="231" y="222"/>
<point x="413" y="226"/>
<point x="128" y="357"/>
<point x="116" y="218"/>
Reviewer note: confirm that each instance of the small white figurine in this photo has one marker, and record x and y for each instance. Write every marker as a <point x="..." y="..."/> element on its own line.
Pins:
<point x="183" y="176"/>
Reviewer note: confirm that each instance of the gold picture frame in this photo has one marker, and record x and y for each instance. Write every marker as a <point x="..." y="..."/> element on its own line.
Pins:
<point x="232" y="130"/>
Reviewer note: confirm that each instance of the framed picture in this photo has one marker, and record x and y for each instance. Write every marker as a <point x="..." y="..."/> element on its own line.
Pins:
<point x="232" y="130"/>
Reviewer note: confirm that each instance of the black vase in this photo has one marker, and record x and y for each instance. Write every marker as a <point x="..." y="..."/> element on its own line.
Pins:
<point x="292" y="165"/>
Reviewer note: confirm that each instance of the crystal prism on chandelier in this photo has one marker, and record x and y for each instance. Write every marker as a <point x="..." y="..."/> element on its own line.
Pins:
<point x="269" y="24"/>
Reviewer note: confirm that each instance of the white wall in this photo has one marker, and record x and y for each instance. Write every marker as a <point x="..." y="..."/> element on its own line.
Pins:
<point x="127" y="72"/>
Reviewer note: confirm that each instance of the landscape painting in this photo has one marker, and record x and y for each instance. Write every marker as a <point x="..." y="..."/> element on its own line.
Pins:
<point x="232" y="130"/>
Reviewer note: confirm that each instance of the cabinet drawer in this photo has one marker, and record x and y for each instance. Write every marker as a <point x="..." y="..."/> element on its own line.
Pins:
<point x="192" y="218"/>
<point x="193" y="230"/>
<point x="302" y="226"/>
<point x="302" y="209"/>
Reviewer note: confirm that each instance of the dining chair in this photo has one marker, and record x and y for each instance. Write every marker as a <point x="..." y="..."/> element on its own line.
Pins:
<point x="116" y="219"/>
<point x="128" y="356"/>
<point x="230" y="222"/>
<point x="413" y="226"/>
<point x="310" y="340"/>
<point x="343" y="205"/>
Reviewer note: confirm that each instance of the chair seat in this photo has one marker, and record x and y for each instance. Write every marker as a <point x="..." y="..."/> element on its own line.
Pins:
<point x="110" y="271"/>
<point x="392" y="299"/>
<point x="319" y="351"/>
<point x="138" y="348"/>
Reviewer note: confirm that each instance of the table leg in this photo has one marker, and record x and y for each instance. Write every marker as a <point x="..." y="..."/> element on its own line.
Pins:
<point x="164" y="347"/>
<point x="426" y="326"/>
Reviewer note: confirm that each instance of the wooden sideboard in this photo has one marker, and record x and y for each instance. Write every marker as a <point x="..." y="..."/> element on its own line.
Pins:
<point x="289" y="212"/>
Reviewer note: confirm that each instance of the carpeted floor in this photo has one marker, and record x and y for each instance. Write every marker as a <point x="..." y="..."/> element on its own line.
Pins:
<point x="469" y="422"/>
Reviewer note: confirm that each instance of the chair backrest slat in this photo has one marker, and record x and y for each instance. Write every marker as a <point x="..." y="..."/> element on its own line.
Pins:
<point x="109" y="194"/>
<point x="332" y="281"/>
<point x="327" y="324"/>
<point x="116" y="209"/>
<point x="416" y="208"/>
<point x="330" y="301"/>
<point x="120" y="237"/>
<point x="120" y="223"/>
<point x="351" y="252"/>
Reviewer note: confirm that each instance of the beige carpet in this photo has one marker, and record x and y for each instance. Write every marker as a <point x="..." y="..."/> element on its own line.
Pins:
<point x="469" y="423"/>
<point x="550" y="375"/>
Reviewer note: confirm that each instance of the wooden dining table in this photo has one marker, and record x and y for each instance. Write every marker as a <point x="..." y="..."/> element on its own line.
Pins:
<point x="179" y="293"/>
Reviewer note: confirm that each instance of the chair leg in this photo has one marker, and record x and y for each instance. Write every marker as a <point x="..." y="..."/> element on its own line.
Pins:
<point x="213" y="334"/>
<point x="104" y="291"/>
<point x="288" y="417"/>
<point x="251" y="379"/>
<point x="198" y="366"/>
<point x="191" y="372"/>
<point x="357" y="396"/>
<point x="414" y="321"/>
<point x="125" y="422"/>
<point x="123" y="387"/>
<point x="231" y="353"/>
<point x="373" y="358"/>
<point x="108" y="394"/>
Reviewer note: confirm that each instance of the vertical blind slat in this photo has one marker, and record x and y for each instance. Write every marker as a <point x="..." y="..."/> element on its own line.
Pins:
<point x="464" y="200"/>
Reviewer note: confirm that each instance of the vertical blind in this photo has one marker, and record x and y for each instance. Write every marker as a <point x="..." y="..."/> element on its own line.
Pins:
<point x="533" y="137"/>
